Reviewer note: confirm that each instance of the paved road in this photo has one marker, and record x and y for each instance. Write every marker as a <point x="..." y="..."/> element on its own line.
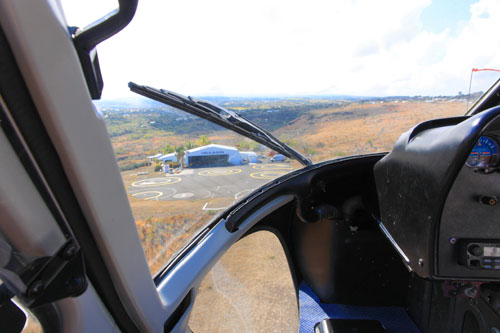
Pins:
<point x="194" y="184"/>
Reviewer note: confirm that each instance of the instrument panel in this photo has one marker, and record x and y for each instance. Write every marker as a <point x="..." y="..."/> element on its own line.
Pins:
<point x="439" y="194"/>
<point x="484" y="155"/>
<point x="470" y="215"/>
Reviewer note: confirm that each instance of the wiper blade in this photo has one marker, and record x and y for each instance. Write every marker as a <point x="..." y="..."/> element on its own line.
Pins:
<point x="220" y="116"/>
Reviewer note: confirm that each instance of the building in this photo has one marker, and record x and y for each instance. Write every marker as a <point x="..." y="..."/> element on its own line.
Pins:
<point x="172" y="157"/>
<point x="154" y="157"/>
<point x="249" y="156"/>
<point x="212" y="155"/>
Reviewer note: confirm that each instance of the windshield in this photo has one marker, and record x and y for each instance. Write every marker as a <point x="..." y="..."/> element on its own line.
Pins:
<point x="222" y="117"/>
<point x="329" y="80"/>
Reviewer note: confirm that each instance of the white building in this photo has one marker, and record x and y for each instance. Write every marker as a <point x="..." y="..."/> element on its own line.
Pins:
<point x="154" y="157"/>
<point x="249" y="156"/>
<point x="212" y="155"/>
<point x="172" y="157"/>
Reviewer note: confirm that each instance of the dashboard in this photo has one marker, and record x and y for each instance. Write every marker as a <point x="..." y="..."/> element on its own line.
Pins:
<point x="438" y="193"/>
<point x="469" y="232"/>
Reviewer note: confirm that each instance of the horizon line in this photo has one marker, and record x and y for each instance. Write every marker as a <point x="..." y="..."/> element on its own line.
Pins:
<point x="301" y="96"/>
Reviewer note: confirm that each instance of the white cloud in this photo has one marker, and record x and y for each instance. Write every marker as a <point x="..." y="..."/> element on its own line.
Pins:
<point x="362" y="47"/>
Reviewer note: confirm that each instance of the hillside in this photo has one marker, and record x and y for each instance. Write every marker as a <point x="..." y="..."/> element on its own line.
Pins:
<point x="360" y="128"/>
<point x="321" y="128"/>
<point x="137" y="132"/>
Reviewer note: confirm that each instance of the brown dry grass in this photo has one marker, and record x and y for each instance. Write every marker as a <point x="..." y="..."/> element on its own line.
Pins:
<point x="166" y="226"/>
<point x="338" y="132"/>
<point x="250" y="289"/>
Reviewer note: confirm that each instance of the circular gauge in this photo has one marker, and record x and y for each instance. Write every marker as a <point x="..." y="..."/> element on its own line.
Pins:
<point x="485" y="154"/>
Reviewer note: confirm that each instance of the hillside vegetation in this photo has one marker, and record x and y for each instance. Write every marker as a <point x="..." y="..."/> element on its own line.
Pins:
<point x="319" y="128"/>
<point x="362" y="128"/>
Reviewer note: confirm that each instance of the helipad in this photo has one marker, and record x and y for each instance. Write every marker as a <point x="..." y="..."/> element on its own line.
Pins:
<point x="156" y="182"/>
<point x="219" y="172"/>
<point x="272" y="166"/>
<point x="209" y="183"/>
<point x="183" y="195"/>
<point x="268" y="174"/>
<point x="148" y="195"/>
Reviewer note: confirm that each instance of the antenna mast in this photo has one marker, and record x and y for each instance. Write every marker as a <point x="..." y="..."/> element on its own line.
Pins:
<point x="470" y="82"/>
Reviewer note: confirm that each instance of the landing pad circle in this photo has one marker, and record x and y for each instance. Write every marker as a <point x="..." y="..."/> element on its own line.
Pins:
<point x="183" y="195"/>
<point x="148" y="195"/>
<point x="156" y="182"/>
<point x="219" y="172"/>
<point x="268" y="174"/>
<point x="272" y="167"/>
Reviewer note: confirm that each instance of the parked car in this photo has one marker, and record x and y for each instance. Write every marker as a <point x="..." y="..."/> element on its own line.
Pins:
<point x="277" y="158"/>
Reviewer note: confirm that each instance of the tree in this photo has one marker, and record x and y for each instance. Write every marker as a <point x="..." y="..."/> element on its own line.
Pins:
<point x="189" y="145"/>
<point x="248" y="145"/>
<point x="180" y="154"/>
<point x="168" y="149"/>
<point x="203" y="140"/>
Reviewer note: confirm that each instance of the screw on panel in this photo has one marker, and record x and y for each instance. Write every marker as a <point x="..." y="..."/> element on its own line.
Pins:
<point x="69" y="251"/>
<point x="452" y="240"/>
<point x="36" y="289"/>
<point x="471" y="292"/>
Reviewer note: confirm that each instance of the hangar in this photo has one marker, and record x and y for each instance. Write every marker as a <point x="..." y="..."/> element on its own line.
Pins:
<point x="212" y="155"/>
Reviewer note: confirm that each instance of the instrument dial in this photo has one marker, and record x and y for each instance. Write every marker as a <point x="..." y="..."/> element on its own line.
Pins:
<point x="485" y="154"/>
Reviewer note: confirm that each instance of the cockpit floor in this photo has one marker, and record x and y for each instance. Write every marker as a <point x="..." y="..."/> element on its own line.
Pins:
<point x="394" y="319"/>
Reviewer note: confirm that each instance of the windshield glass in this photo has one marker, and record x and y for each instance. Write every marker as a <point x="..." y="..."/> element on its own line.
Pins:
<point x="180" y="172"/>
<point x="328" y="79"/>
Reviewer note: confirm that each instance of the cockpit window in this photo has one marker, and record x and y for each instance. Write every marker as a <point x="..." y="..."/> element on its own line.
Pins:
<point x="331" y="80"/>
<point x="180" y="172"/>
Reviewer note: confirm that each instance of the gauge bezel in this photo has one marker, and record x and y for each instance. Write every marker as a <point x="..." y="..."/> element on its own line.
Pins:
<point x="495" y="159"/>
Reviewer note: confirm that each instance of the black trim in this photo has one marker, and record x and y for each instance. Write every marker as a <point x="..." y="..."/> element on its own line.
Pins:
<point x="106" y="27"/>
<point x="86" y="41"/>
<point x="27" y="120"/>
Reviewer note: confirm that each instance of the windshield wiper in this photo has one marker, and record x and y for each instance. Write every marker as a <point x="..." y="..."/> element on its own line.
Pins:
<point x="220" y="116"/>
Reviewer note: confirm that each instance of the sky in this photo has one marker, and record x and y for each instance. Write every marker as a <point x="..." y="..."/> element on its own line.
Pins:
<point x="297" y="48"/>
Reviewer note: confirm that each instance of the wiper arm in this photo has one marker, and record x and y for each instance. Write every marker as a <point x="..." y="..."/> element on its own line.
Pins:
<point x="220" y="116"/>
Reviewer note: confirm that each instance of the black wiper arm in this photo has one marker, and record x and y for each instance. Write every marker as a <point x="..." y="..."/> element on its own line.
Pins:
<point x="220" y="116"/>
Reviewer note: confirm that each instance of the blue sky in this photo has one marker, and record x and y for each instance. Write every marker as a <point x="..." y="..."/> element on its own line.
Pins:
<point x="291" y="47"/>
<point x="446" y="14"/>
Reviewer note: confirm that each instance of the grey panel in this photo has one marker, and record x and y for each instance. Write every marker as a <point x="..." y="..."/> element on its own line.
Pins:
<point x="465" y="217"/>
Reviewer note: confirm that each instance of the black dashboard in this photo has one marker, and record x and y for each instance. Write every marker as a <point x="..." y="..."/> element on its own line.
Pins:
<point x="438" y="193"/>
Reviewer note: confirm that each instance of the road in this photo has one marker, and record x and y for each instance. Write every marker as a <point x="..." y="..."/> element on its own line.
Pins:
<point x="207" y="183"/>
